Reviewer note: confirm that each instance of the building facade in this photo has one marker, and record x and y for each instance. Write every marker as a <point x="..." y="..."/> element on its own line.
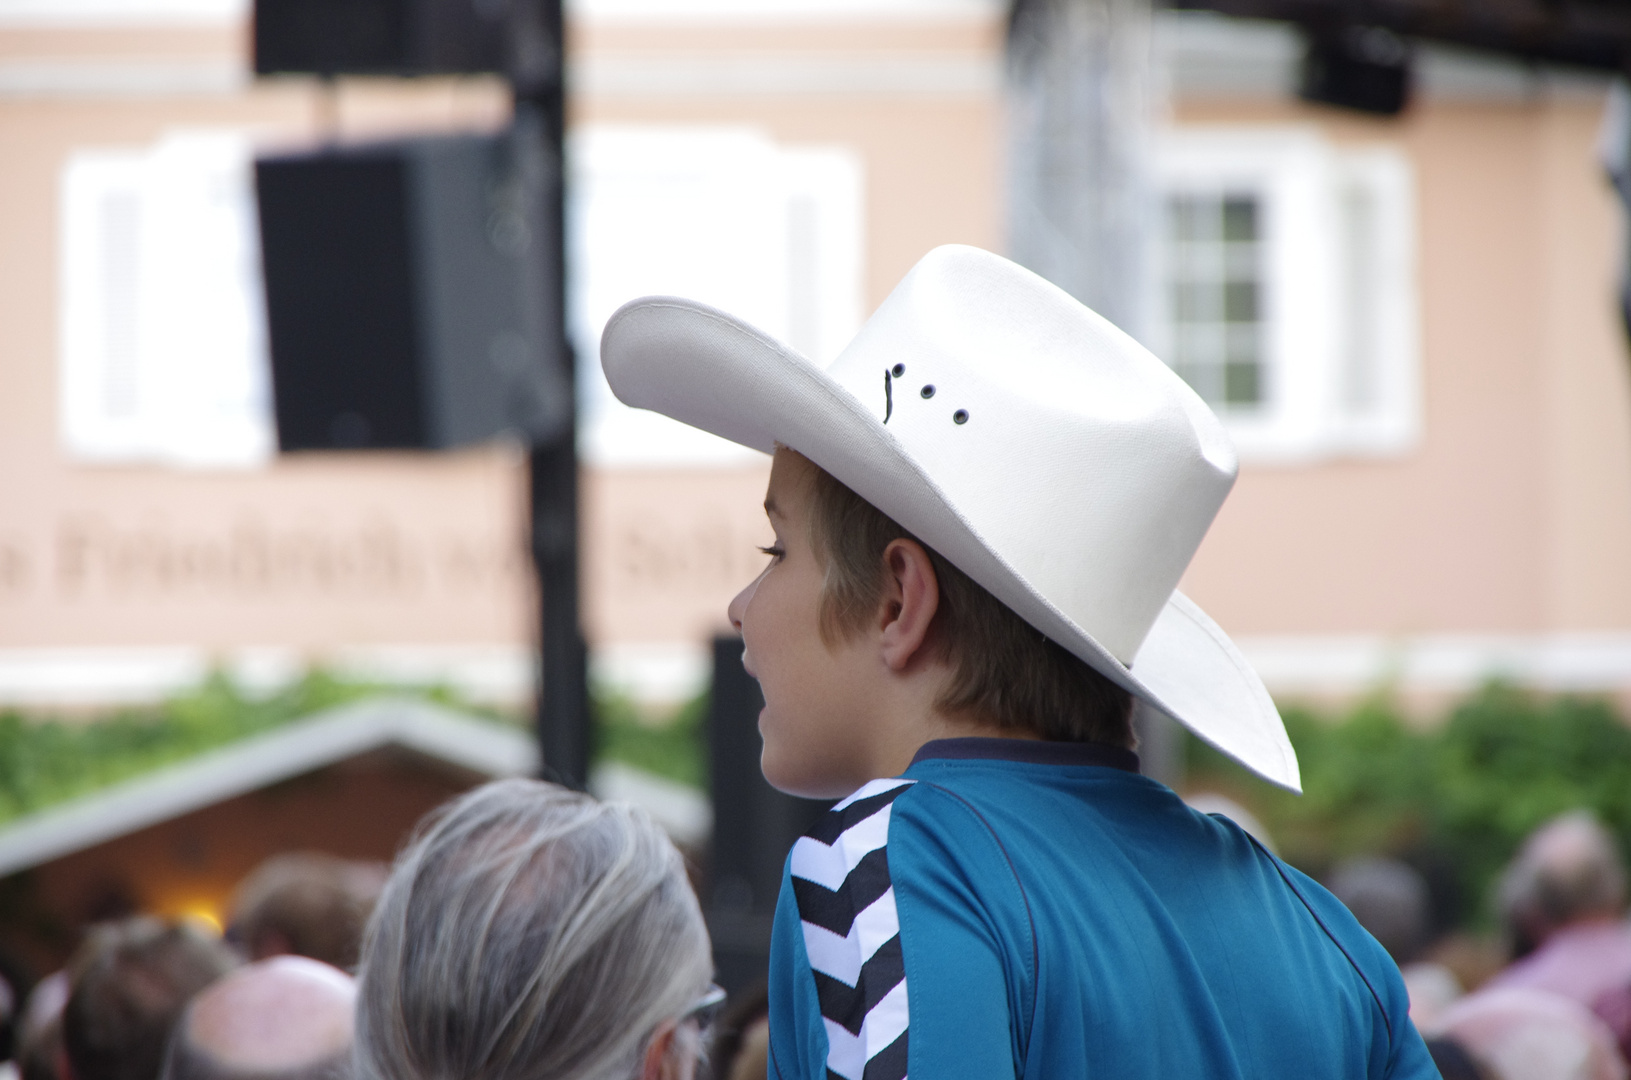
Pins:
<point x="1409" y="324"/>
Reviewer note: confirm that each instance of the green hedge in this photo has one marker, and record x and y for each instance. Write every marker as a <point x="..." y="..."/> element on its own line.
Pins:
<point x="1455" y="797"/>
<point x="673" y="746"/>
<point x="45" y="761"/>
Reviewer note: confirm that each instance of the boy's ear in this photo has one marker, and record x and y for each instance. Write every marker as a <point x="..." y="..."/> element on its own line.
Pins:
<point x="911" y="598"/>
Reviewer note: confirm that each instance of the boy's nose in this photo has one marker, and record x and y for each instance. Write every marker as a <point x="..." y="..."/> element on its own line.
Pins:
<point x="739" y="605"/>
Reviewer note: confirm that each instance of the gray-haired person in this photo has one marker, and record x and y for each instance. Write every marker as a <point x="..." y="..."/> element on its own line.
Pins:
<point x="530" y="931"/>
<point x="1564" y="895"/>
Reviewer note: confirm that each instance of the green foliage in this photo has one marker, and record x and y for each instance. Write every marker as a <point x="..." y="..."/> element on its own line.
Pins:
<point x="672" y="746"/>
<point x="1460" y="795"/>
<point x="46" y="761"/>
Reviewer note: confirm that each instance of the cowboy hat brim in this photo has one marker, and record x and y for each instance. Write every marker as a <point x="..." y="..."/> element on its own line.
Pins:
<point x="710" y="370"/>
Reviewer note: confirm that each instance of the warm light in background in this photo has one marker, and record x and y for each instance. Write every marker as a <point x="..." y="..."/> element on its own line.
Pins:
<point x="206" y="912"/>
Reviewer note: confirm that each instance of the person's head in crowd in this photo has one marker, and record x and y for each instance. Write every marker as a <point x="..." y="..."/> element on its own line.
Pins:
<point x="1433" y="987"/>
<point x="286" y="1018"/>
<point x="1613" y="1008"/>
<point x="39" y="1028"/>
<point x="1568" y="871"/>
<point x="38" y="1054"/>
<point x="305" y="903"/>
<point x="1389" y="899"/>
<point x="8" y="1018"/>
<point x="131" y="979"/>
<point x="1522" y="1034"/>
<point x="733" y="1048"/>
<point x="1453" y="1061"/>
<point x="531" y="931"/>
<point x="753" y="1053"/>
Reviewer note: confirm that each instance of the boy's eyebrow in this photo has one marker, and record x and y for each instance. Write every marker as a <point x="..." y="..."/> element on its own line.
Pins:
<point x="771" y="507"/>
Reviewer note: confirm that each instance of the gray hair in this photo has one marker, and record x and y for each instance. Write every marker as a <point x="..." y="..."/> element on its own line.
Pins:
<point x="1568" y="869"/>
<point x="528" y="931"/>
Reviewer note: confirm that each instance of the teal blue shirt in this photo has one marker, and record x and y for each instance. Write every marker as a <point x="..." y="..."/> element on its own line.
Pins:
<point x="1010" y="908"/>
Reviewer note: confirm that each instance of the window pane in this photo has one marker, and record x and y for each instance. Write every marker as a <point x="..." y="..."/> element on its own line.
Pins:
<point x="1240" y="302"/>
<point x="1194" y="302"/>
<point x="1213" y="294"/>
<point x="1199" y="345"/>
<point x="1240" y="384"/>
<point x="1187" y="218"/>
<point x="1240" y="218"/>
<point x="1205" y="379"/>
<point x="1242" y="344"/>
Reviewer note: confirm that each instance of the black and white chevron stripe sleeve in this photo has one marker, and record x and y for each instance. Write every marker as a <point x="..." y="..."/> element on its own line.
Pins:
<point x="840" y="877"/>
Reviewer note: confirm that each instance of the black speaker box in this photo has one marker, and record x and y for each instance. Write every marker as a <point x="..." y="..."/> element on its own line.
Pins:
<point x="1362" y="68"/>
<point x="405" y="296"/>
<point x="380" y="37"/>
<point x="754" y="825"/>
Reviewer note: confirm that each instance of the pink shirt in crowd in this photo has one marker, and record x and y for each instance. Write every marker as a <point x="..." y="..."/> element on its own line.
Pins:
<point x="1581" y="962"/>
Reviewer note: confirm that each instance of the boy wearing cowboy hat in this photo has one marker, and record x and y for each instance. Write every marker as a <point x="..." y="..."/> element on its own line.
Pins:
<point x="982" y="510"/>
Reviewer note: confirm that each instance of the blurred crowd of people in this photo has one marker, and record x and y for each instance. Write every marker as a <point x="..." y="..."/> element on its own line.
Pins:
<point x="526" y="930"/>
<point x="529" y="930"/>
<point x="144" y="996"/>
<point x="1561" y="1008"/>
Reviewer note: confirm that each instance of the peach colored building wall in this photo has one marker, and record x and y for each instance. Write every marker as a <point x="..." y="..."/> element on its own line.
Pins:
<point x="667" y="548"/>
<point x="312" y="554"/>
<point x="1501" y="542"/>
<point x="311" y="558"/>
<point x="932" y="154"/>
<point x="1515" y="513"/>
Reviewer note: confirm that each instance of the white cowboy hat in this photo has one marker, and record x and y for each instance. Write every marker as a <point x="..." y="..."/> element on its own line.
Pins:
<point x="1042" y="451"/>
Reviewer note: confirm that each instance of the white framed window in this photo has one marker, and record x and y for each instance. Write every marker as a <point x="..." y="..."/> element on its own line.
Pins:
<point x="1288" y="292"/>
<point x="162" y="325"/>
<point x="1213" y="278"/>
<point x="163" y="343"/>
<point x="768" y="232"/>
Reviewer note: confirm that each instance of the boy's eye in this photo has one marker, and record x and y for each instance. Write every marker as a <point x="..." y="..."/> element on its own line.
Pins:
<point x="775" y="552"/>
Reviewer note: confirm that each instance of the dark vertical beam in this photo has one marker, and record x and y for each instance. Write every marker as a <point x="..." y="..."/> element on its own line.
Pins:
<point x="535" y="71"/>
<point x="564" y="733"/>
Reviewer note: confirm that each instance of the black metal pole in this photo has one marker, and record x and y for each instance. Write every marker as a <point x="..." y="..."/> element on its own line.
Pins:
<point x="535" y="73"/>
<point x="563" y="697"/>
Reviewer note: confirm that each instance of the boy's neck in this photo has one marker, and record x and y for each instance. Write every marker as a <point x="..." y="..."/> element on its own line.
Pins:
<point x="908" y="731"/>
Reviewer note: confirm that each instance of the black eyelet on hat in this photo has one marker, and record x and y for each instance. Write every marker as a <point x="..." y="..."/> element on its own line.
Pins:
<point x="960" y="416"/>
<point x="928" y="391"/>
<point x="900" y="369"/>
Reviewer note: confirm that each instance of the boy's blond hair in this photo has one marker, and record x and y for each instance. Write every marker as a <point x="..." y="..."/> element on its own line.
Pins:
<point x="1004" y="670"/>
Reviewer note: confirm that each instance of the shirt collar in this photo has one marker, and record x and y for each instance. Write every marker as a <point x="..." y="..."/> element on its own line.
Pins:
<point x="1030" y="751"/>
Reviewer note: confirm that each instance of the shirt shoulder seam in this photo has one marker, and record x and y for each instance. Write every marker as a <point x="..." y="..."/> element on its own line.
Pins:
<point x="1030" y="919"/>
<point x="1387" y="1021"/>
